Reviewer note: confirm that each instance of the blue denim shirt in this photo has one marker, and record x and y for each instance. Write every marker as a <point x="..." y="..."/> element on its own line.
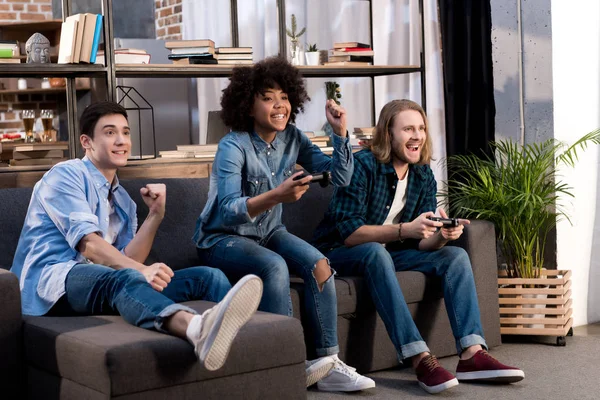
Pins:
<point x="246" y="166"/>
<point x="66" y="204"/>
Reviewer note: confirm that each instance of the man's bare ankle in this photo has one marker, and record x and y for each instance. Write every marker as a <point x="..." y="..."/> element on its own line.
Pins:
<point x="416" y="359"/>
<point x="470" y="352"/>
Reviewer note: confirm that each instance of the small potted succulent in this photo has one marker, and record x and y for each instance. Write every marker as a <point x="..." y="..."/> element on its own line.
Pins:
<point x="312" y="54"/>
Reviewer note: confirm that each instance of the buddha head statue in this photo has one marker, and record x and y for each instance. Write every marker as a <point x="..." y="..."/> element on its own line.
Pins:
<point x="38" y="49"/>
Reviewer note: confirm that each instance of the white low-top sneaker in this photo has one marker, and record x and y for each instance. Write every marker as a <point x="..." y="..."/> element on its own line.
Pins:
<point x="220" y="324"/>
<point x="318" y="369"/>
<point x="344" y="378"/>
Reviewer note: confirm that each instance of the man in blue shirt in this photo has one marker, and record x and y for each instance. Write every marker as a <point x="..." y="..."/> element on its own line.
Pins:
<point x="80" y="251"/>
<point x="379" y="225"/>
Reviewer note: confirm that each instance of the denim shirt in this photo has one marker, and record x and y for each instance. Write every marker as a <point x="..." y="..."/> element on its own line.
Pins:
<point x="69" y="202"/>
<point x="246" y="166"/>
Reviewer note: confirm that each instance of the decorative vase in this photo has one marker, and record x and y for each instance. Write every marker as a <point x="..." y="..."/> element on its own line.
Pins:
<point x="312" y="57"/>
<point x="295" y="53"/>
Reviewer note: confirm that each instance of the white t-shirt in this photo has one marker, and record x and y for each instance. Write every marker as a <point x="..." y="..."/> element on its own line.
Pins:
<point x="113" y="225"/>
<point x="398" y="203"/>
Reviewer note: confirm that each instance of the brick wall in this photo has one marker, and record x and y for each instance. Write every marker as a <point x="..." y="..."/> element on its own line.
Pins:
<point x="168" y="19"/>
<point x="25" y="10"/>
<point x="11" y="104"/>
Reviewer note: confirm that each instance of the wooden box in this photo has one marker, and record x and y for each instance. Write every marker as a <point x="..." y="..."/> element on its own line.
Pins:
<point x="539" y="306"/>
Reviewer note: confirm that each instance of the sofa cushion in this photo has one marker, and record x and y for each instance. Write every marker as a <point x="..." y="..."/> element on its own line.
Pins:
<point x="13" y="208"/>
<point x="302" y="217"/>
<point x="353" y="296"/>
<point x="108" y="355"/>
<point x="185" y="200"/>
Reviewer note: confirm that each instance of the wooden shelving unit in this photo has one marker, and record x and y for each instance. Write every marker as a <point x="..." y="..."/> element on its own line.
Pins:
<point x="111" y="71"/>
<point x="69" y="71"/>
<point x="57" y="90"/>
<point x="220" y="71"/>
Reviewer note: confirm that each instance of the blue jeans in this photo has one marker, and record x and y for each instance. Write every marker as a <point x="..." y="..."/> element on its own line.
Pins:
<point x="379" y="266"/>
<point x="272" y="259"/>
<point x="93" y="289"/>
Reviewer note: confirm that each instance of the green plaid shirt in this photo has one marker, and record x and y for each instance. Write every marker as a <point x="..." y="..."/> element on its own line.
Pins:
<point x="368" y="198"/>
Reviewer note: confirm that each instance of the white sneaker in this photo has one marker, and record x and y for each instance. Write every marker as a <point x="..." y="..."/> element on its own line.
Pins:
<point x="318" y="369"/>
<point x="220" y="324"/>
<point x="344" y="378"/>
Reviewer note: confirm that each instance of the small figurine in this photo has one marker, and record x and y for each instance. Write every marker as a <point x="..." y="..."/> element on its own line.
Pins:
<point x="38" y="49"/>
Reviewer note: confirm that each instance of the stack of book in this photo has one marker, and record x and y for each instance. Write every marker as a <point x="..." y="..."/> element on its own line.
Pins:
<point x="350" y="53"/>
<point x="79" y="38"/>
<point x="206" y="151"/>
<point x="320" y="141"/>
<point x="200" y="51"/>
<point x="234" y="55"/>
<point x="38" y="153"/>
<point x="126" y="56"/>
<point x="9" y="52"/>
<point x="364" y="135"/>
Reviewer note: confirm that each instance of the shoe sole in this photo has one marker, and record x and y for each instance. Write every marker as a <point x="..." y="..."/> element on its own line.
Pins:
<point x="344" y="388"/>
<point x="439" y="388"/>
<point x="318" y="371"/>
<point x="242" y="303"/>
<point x="501" y="375"/>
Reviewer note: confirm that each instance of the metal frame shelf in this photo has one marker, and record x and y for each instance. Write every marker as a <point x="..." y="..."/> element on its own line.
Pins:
<point x="220" y="71"/>
<point x="111" y="71"/>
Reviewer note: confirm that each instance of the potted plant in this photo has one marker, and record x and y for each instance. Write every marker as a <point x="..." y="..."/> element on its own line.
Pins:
<point x="518" y="190"/>
<point x="294" y="37"/>
<point x="312" y="54"/>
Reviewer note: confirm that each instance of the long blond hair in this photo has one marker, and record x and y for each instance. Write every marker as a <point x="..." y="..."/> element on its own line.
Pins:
<point x="381" y="147"/>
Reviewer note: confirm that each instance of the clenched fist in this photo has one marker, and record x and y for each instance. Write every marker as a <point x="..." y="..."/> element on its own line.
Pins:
<point x="155" y="197"/>
<point x="158" y="275"/>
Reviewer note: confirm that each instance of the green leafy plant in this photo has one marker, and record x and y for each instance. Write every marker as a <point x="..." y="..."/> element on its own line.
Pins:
<point x="333" y="91"/>
<point x="294" y="36"/>
<point x="312" y="48"/>
<point x="519" y="191"/>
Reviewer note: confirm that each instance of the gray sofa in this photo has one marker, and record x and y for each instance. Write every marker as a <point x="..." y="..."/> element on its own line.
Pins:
<point x="102" y="357"/>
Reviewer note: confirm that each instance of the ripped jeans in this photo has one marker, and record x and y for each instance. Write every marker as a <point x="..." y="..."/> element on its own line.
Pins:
<point x="272" y="259"/>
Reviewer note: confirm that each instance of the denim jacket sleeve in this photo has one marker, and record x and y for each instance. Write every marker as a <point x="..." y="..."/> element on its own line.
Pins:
<point x="62" y="196"/>
<point x="228" y="166"/>
<point x="351" y="203"/>
<point x="341" y="164"/>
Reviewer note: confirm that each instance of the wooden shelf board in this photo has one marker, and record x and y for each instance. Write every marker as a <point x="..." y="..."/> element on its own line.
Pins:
<point x="51" y="70"/>
<point x="198" y="70"/>
<point x="40" y="90"/>
<point x="37" y="25"/>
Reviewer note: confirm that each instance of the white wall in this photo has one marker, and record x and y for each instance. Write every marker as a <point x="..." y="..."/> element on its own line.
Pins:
<point x="576" y="79"/>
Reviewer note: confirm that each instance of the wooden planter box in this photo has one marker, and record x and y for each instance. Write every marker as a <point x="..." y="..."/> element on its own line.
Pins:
<point x="554" y="319"/>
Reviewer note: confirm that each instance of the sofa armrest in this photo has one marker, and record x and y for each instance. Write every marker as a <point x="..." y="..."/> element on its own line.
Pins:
<point x="11" y="334"/>
<point x="479" y="240"/>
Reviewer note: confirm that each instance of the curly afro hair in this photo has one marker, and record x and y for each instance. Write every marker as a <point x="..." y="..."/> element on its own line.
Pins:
<point x="246" y="82"/>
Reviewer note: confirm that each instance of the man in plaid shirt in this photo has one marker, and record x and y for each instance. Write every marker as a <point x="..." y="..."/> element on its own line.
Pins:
<point x="379" y="225"/>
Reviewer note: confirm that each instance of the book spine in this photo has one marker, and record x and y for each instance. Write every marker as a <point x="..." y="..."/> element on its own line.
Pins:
<point x="97" y="32"/>
<point x="6" y="53"/>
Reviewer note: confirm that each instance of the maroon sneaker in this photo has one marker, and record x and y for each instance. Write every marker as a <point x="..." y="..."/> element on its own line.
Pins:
<point x="432" y="377"/>
<point x="483" y="367"/>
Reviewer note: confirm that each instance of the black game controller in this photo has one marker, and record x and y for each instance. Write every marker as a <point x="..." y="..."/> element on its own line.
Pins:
<point x="448" y="222"/>
<point x="322" y="178"/>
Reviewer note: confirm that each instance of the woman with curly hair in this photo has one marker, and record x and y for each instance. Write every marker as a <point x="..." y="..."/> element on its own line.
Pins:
<point x="240" y="229"/>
